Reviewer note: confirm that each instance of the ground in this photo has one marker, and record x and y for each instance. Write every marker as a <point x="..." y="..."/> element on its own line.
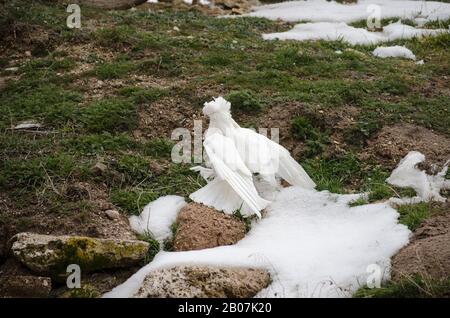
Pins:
<point x="109" y="95"/>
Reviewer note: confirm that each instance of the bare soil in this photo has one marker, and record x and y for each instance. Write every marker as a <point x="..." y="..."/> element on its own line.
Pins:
<point x="428" y="253"/>
<point x="392" y="143"/>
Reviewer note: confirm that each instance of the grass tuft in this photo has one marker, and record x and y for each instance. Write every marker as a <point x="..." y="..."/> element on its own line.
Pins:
<point x="113" y="115"/>
<point x="244" y="101"/>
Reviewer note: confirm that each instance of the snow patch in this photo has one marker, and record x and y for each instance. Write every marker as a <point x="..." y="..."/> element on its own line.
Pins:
<point x="330" y="11"/>
<point x="337" y="31"/>
<point x="157" y="217"/>
<point x="313" y="244"/>
<point x="394" y="51"/>
<point x="408" y="175"/>
<point x="328" y="20"/>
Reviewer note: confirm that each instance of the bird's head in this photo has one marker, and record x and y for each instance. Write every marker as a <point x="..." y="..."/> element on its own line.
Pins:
<point x="218" y="105"/>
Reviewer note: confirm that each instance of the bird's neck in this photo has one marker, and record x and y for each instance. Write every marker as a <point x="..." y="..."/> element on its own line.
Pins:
<point x="223" y="121"/>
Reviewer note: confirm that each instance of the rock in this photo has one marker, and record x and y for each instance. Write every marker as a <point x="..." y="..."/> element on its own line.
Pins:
<point x="428" y="254"/>
<point x="203" y="282"/>
<point x="236" y="6"/>
<point x="25" y="286"/>
<point x="50" y="255"/>
<point x="110" y="4"/>
<point x="99" y="168"/>
<point x="112" y="214"/>
<point x="11" y="69"/>
<point x="28" y="124"/>
<point x="200" y="227"/>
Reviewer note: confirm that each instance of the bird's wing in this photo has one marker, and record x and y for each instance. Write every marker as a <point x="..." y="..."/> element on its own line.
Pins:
<point x="206" y="173"/>
<point x="269" y="158"/>
<point x="228" y="166"/>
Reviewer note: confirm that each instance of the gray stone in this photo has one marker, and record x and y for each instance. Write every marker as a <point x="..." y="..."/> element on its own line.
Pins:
<point x="99" y="168"/>
<point x="203" y="282"/>
<point x="112" y="214"/>
<point x="11" y="69"/>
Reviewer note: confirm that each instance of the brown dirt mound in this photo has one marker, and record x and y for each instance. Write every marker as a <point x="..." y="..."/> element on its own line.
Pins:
<point x="393" y="143"/>
<point x="165" y="115"/>
<point x="428" y="254"/>
<point x="280" y="116"/>
<point x="202" y="227"/>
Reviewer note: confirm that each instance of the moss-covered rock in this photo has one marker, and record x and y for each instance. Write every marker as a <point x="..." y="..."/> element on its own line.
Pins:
<point x="50" y="255"/>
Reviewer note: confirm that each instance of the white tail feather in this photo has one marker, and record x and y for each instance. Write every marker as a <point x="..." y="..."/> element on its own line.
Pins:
<point x="291" y="171"/>
<point x="220" y="195"/>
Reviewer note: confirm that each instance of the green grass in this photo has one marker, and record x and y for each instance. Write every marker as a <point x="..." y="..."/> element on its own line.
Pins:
<point x="153" y="248"/>
<point x="47" y="103"/>
<point x="333" y="174"/>
<point x="132" y="194"/>
<point x="158" y="147"/>
<point x="358" y="202"/>
<point x="113" y="70"/>
<point x="246" y="220"/>
<point x="34" y="172"/>
<point x="413" y="214"/>
<point x="115" y="37"/>
<point x="168" y="244"/>
<point x="132" y="201"/>
<point x="143" y="95"/>
<point x="135" y="168"/>
<point x="244" y="101"/>
<point x="416" y="287"/>
<point x="113" y="115"/>
<point x="315" y="140"/>
<point x="99" y="143"/>
<point x="49" y="64"/>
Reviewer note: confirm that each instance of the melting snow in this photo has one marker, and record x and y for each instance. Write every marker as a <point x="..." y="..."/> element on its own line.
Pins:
<point x="394" y="51"/>
<point x="157" y="217"/>
<point x="328" y="20"/>
<point x="312" y="242"/>
<point x="335" y="31"/>
<point x="330" y="11"/>
<point x="427" y="187"/>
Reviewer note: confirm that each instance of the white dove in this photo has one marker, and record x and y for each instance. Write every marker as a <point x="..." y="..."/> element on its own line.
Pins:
<point x="234" y="154"/>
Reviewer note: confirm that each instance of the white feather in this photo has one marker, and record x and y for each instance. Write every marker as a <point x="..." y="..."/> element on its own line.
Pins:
<point x="235" y="154"/>
<point x="233" y="184"/>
